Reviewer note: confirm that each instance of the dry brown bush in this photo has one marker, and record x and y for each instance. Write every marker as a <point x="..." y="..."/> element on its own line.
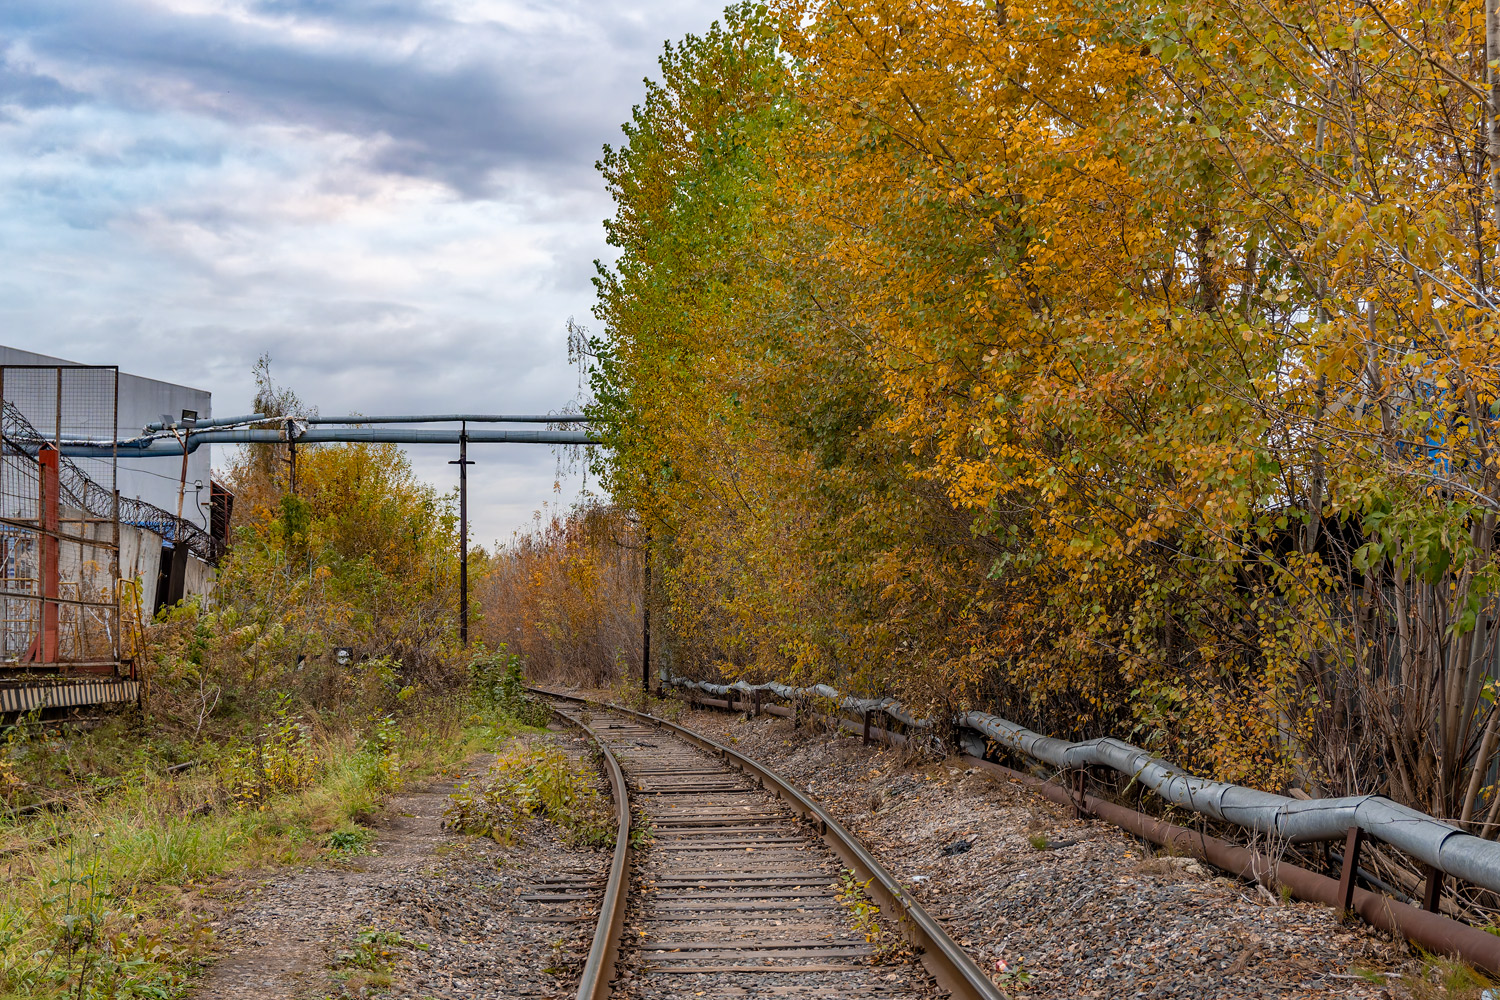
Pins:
<point x="566" y="596"/>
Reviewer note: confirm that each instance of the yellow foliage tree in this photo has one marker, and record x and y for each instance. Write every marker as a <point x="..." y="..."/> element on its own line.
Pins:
<point x="1127" y="370"/>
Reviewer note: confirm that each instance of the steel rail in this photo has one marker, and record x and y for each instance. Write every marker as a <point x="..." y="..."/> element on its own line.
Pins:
<point x="596" y="981"/>
<point x="948" y="963"/>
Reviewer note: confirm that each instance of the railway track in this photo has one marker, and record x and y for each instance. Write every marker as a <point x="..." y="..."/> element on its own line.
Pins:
<point x="735" y="890"/>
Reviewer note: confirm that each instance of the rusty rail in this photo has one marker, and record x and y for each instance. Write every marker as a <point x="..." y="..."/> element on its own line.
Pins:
<point x="948" y="963"/>
<point x="597" y="978"/>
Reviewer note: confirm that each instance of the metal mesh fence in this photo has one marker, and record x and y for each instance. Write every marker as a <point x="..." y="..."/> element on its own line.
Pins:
<point x="59" y="520"/>
<point x="63" y="402"/>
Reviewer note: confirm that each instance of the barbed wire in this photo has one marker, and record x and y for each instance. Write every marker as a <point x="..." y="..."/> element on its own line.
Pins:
<point x="82" y="492"/>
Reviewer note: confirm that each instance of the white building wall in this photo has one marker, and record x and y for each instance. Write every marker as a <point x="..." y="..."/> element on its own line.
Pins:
<point x="142" y="401"/>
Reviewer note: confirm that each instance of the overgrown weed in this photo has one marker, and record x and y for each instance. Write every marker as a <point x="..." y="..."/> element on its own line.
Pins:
<point x="109" y="901"/>
<point x="366" y="965"/>
<point x="533" y="777"/>
<point x="864" y="918"/>
<point x="500" y="690"/>
<point x="1443" y="978"/>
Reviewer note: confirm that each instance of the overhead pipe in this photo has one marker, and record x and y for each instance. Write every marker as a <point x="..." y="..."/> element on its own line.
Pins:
<point x="454" y="418"/>
<point x="153" y="447"/>
<point x="405" y="418"/>
<point x="249" y="418"/>
<point x="1430" y="841"/>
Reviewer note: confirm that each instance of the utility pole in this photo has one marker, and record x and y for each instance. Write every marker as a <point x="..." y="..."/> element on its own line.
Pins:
<point x="463" y="464"/>
<point x="646" y="609"/>
<point x="291" y="454"/>
<point x="182" y="483"/>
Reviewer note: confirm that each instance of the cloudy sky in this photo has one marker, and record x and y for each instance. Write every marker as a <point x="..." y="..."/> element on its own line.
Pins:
<point x="395" y="198"/>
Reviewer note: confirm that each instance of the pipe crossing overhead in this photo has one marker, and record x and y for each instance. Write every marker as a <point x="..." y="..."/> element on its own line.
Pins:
<point x="405" y="418"/>
<point x="150" y="446"/>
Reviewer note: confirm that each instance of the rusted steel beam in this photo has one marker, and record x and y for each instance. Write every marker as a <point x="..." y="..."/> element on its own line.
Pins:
<point x="1349" y="876"/>
<point x="47" y="462"/>
<point x="1432" y="889"/>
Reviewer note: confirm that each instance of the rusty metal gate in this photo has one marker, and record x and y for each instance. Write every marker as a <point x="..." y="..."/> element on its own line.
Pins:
<point x="59" y="521"/>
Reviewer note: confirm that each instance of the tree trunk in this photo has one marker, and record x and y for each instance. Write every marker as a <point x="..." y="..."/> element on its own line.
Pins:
<point x="1492" y="56"/>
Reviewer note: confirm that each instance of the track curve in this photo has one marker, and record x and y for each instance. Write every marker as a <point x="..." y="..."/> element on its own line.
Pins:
<point x="598" y="969"/>
<point x="738" y="894"/>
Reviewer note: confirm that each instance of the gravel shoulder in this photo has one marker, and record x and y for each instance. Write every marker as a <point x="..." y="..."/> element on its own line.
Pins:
<point x="428" y="913"/>
<point x="1091" y="915"/>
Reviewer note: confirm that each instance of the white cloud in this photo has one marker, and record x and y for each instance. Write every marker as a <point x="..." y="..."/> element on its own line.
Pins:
<point x="396" y="199"/>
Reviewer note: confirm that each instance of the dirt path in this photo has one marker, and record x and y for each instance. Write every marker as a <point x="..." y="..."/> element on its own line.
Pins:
<point x="427" y="914"/>
<point x="282" y="942"/>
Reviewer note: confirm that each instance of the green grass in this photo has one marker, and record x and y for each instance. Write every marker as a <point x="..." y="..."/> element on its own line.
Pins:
<point x="1437" y="978"/>
<point x="111" y="898"/>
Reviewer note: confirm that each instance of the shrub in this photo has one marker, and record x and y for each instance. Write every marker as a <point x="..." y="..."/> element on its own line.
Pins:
<point x="500" y="687"/>
<point x="281" y="759"/>
<point x="533" y="778"/>
<point x="380" y="751"/>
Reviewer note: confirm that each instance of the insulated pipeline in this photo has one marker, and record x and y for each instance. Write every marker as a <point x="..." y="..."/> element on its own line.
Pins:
<point x="1428" y="840"/>
<point x="1430" y="930"/>
<point x="143" y="447"/>
<point x="404" y="418"/>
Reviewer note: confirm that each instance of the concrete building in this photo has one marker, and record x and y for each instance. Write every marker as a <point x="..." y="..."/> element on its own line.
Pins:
<point x="142" y="401"/>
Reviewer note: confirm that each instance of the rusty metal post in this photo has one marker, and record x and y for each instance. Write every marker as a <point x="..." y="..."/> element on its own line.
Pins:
<point x="757" y="696"/>
<point x="47" y="461"/>
<point x="181" y="481"/>
<point x="867" y="727"/>
<point x="645" y="608"/>
<point x="1432" y="889"/>
<point x="1347" y="877"/>
<point x="1080" y="794"/>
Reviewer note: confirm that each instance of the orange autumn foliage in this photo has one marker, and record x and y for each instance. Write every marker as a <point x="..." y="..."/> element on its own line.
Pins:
<point x="1125" y="371"/>
<point x="566" y="595"/>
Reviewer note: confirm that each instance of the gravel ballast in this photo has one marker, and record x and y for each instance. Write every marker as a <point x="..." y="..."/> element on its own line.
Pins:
<point x="1072" y="908"/>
